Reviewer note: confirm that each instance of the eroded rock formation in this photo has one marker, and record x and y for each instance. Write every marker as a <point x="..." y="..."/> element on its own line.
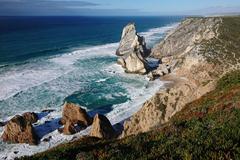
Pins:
<point x="132" y="51"/>
<point x="30" y="117"/>
<point x="19" y="130"/>
<point x="74" y="117"/>
<point x="102" y="128"/>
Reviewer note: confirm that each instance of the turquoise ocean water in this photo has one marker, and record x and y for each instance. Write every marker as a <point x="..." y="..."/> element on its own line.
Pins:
<point x="47" y="60"/>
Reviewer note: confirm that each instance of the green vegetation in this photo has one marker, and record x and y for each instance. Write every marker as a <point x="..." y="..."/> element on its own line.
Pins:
<point x="229" y="80"/>
<point x="207" y="128"/>
<point x="225" y="48"/>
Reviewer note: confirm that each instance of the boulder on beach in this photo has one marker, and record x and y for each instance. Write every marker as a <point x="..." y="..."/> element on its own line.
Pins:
<point x="73" y="118"/>
<point x="102" y="128"/>
<point x="30" y="117"/>
<point x="132" y="51"/>
<point x="19" y="130"/>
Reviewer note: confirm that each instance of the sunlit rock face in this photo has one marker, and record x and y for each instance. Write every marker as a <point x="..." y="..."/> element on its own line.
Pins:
<point x="132" y="51"/>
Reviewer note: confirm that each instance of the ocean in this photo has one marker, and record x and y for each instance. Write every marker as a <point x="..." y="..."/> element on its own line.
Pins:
<point x="45" y="61"/>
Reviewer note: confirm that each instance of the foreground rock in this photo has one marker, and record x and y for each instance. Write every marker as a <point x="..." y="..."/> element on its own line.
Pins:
<point x="102" y="128"/>
<point x="74" y="117"/>
<point x="30" y="117"/>
<point x="132" y="51"/>
<point x="19" y="130"/>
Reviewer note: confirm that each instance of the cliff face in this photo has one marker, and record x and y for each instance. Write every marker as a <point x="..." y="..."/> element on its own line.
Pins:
<point x="187" y="36"/>
<point x="198" y="55"/>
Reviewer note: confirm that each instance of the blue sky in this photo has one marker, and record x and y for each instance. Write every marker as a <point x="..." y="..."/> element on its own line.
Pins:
<point x="117" y="7"/>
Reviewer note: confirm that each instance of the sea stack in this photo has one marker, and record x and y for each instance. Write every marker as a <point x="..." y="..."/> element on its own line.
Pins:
<point x="132" y="51"/>
<point x="102" y="128"/>
<point x="74" y="119"/>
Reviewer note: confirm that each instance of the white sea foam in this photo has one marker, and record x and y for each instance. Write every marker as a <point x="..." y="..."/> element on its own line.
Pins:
<point x="69" y="59"/>
<point x="102" y="80"/>
<point x="29" y="76"/>
<point x="153" y="35"/>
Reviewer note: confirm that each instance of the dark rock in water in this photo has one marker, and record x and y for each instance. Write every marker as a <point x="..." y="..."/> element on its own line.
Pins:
<point x="74" y="119"/>
<point x="102" y="128"/>
<point x="30" y="117"/>
<point x="19" y="130"/>
<point x="16" y="152"/>
<point x="132" y="51"/>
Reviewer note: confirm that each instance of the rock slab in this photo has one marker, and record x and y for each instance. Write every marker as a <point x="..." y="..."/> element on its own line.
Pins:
<point x="30" y="117"/>
<point x="73" y="118"/>
<point x="102" y="128"/>
<point x="132" y="51"/>
<point x="19" y="130"/>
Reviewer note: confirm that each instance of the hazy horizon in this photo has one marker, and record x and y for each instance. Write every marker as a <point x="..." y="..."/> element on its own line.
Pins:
<point x="117" y="8"/>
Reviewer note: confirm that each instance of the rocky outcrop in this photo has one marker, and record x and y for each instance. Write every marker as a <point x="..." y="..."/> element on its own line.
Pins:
<point x="132" y="51"/>
<point x="130" y="40"/>
<point x="187" y="65"/>
<point x="69" y="128"/>
<point x="162" y="70"/>
<point x="134" y="63"/>
<point x="30" y="117"/>
<point x="102" y="128"/>
<point x="74" y="117"/>
<point x="19" y="130"/>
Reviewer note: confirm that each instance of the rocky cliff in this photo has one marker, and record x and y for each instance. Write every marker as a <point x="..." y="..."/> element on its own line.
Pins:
<point x="198" y="54"/>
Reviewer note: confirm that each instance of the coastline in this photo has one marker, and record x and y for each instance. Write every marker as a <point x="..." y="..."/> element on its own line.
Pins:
<point x="119" y="114"/>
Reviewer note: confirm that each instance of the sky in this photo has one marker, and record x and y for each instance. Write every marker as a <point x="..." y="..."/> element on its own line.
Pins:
<point x="116" y="7"/>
